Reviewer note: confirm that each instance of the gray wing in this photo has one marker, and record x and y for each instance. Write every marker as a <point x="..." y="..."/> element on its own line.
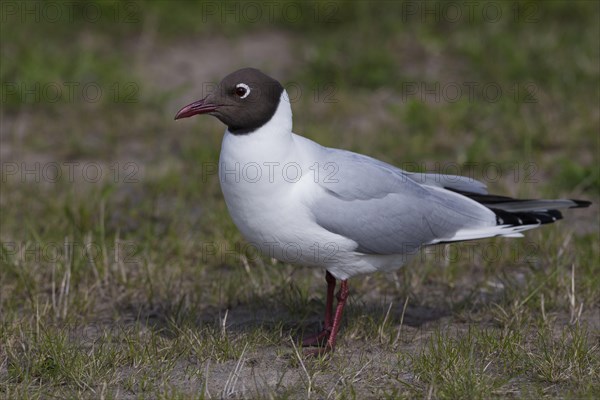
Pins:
<point x="385" y="211"/>
<point x="455" y="182"/>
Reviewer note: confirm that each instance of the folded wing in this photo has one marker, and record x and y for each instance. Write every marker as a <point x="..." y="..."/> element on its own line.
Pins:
<point x="385" y="211"/>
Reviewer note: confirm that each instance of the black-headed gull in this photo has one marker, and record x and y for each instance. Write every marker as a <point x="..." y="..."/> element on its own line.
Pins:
<point x="350" y="214"/>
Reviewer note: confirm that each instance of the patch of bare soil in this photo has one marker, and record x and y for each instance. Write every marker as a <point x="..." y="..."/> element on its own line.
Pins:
<point x="198" y="62"/>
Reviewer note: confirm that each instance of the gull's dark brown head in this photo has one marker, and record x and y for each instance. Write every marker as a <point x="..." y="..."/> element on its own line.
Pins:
<point x="244" y="101"/>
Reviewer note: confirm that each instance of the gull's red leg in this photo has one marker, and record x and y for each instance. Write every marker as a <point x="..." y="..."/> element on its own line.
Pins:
<point x="342" y="296"/>
<point x="321" y="337"/>
<point x="337" y="320"/>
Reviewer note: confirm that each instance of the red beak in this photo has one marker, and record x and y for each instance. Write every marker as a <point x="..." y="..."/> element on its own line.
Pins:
<point x="202" y="106"/>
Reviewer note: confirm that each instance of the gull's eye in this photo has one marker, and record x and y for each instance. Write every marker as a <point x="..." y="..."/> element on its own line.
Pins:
<point x="242" y="90"/>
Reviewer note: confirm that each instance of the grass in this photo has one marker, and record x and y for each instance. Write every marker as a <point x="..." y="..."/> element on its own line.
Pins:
<point x="137" y="284"/>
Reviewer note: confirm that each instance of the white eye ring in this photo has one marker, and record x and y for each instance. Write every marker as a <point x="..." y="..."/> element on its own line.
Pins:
<point x="243" y="85"/>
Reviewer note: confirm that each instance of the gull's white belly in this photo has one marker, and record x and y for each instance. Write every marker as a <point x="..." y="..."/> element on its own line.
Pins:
<point x="272" y="216"/>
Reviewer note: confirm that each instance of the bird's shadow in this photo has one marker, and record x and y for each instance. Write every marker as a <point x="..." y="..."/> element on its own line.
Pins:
<point x="168" y="316"/>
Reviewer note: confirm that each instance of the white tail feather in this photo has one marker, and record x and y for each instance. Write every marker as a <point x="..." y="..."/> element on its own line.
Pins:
<point x="486" y="232"/>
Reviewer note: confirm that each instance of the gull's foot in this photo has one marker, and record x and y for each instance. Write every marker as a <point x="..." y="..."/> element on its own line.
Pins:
<point x="319" y="339"/>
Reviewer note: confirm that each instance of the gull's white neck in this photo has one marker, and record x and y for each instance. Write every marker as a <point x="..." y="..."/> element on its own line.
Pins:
<point x="270" y="142"/>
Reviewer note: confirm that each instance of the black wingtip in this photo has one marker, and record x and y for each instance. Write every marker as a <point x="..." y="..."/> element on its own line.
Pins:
<point x="580" y="203"/>
<point x="526" y="218"/>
